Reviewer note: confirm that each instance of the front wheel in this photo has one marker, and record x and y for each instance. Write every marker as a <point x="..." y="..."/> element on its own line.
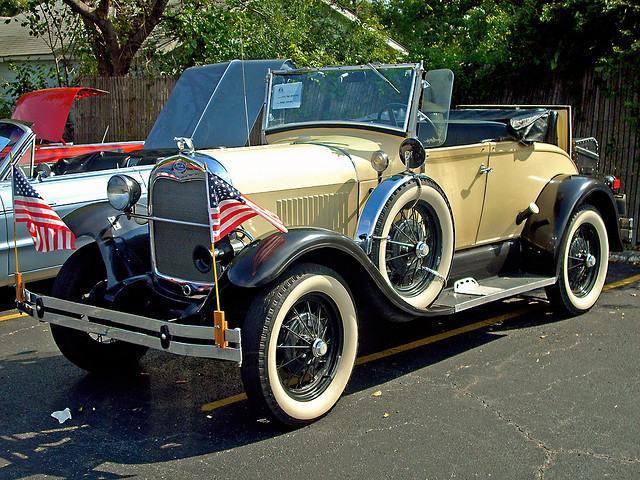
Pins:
<point x="300" y="340"/>
<point x="82" y="276"/>
<point x="582" y="263"/>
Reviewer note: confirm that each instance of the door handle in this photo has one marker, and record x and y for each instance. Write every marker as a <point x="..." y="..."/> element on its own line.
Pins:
<point x="484" y="169"/>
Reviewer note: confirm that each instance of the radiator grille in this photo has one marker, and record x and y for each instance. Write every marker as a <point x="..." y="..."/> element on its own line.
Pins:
<point x="173" y="244"/>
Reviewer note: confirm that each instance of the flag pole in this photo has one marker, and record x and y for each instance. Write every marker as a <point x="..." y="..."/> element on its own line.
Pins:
<point x="219" y="322"/>
<point x="20" y="297"/>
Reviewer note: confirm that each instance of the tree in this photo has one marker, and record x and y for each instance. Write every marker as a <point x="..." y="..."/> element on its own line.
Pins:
<point x="117" y="30"/>
<point x="309" y="32"/>
<point x="9" y="8"/>
<point x="58" y="27"/>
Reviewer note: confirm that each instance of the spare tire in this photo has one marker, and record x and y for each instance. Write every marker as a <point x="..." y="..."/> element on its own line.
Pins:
<point x="413" y="241"/>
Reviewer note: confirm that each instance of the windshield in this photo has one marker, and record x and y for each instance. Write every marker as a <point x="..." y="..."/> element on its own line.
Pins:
<point x="9" y="136"/>
<point x="371" y="95"/>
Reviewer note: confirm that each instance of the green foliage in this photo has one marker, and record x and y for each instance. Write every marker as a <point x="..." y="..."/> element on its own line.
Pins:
<point x="9" y="8"/>
<point x="308" y="32"/>
<point x="470" y="37"/>
<point x="55" y="24"/>
<point x="490" y="44"/>
<point x="28" y="79"/>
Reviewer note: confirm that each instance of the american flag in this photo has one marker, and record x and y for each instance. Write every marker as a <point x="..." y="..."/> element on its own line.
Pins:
<point x="48" y="230"/>
<point x="228" y="208"/>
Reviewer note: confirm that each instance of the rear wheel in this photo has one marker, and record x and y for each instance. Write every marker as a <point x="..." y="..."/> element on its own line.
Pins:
<point x="582" y="263"/>
<point x="414" y="241"/>
<point x="82" y="276"/>
<point x="299" y="345"/>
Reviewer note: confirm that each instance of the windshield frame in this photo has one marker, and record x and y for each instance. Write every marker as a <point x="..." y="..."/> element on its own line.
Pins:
<point x="409" y="120"/>
<point x="18" y="150"/>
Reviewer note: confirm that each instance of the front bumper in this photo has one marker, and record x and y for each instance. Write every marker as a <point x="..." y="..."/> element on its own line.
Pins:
<point x="166" y="335"/>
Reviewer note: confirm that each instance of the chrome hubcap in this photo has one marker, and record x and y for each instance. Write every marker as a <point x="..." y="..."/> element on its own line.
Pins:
<point x="422" y="250"/>
<point x="319" y="348"/>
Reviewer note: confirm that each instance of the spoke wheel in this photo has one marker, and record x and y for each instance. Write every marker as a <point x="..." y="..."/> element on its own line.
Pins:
<point x="413" y="242"/>
<point x="413" y="248"/>
<point x="582" y="263"/>
<point x="308" y="347"/>
<point x="299" y="344"/>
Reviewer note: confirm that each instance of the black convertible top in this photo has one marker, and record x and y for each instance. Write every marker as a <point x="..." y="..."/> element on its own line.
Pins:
<point x="208" y="104"/>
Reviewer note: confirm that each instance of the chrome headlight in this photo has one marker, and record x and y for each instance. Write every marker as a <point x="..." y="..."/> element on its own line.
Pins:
<point x="379" y="161"/>
<point x="123" y="192"/>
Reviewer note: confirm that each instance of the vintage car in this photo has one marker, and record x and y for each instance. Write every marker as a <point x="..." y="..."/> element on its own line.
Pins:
<point x="48" y="110"/>
<point x="201" y="99"/>
<point x="393" y="203"/>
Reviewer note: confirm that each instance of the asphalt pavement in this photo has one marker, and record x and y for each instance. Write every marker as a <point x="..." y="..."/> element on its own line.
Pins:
<point x="508" y="391"/>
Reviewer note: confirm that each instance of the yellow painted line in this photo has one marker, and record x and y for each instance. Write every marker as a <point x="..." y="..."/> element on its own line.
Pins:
<point x="444" y="335"/>
<point x="393" y="351"/>
<point x="224" y="402"/>
<point x="424" y="341"/>
<point x="621" y="283"/>
<point x="12" y="316"/>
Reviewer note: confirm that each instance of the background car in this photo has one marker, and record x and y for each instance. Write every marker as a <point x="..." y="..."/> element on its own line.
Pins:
<point x="392" y="203"/>
<point x="48" y="112"/>
<point x="201" y="102"/>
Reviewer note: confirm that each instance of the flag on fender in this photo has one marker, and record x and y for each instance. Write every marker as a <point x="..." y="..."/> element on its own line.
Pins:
<point x="48" y="230"/>
<point x="228" y="208"/>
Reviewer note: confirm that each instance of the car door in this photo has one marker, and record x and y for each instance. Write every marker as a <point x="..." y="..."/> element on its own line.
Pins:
<point x="515" y="176"/>
<point x="458" y="172"/>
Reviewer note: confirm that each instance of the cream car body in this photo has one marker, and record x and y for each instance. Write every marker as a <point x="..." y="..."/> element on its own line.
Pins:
<point x="394" y="204"/>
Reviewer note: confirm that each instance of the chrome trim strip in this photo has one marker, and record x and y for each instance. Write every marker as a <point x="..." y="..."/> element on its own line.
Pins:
<point x="158" y="219"/>
<point x="118" y="324"/>
<point x="373" y="208"/>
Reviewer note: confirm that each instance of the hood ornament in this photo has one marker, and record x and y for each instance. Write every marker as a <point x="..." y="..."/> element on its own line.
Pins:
<point x="185" y="145"/>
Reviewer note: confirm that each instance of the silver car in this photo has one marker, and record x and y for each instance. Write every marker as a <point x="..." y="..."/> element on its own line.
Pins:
<point x="64" y="193"/>
<point x="206" y="105"/>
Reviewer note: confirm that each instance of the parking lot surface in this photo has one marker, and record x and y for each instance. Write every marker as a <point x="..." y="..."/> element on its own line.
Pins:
<point x="508" y="391"/>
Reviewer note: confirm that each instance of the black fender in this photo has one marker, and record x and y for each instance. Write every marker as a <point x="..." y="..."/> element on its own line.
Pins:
<point x="123" y="243"/>
<point x="557" y="201"/>
<point x="265" y="260"/>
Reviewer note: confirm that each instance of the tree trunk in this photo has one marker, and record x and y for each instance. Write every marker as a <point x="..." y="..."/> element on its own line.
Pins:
<point x="115" y="49"/>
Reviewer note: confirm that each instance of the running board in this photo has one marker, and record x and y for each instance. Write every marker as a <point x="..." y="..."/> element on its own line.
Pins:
<point x="467" y="293"/>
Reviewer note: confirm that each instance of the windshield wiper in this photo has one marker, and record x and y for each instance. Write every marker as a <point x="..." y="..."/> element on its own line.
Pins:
<point x="383" y="77"/>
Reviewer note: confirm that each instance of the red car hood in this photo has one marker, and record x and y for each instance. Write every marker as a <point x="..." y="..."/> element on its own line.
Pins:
<point x="48" y="109"/>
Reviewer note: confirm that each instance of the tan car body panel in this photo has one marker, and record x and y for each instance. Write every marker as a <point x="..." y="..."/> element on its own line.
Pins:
<point x="305" y="185"/>
<point x="534" y="166"/>
<point x="331" y="188"/>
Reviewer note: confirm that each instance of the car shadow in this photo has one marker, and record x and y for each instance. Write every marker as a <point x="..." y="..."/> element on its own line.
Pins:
<point x="156" y="414"/>
<point x="166" y="411"/>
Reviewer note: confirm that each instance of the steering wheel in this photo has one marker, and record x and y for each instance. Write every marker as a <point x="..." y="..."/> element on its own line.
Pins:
<point x="42" y="170"/>
<point x="392" y="109"/>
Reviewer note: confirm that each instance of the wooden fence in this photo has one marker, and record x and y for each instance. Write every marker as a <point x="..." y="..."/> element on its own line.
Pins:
<point x="596" y="114"/>
<point x="127" y="113"/>
<point x="131" y="108"/>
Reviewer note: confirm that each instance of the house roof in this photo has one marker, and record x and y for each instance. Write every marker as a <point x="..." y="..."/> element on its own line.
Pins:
<point x="16" y="43"/>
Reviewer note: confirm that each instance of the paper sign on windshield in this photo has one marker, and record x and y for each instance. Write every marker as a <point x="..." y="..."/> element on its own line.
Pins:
<point x="287" y="95"/>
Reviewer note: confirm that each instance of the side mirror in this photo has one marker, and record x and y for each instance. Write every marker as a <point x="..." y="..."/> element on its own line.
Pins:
<point x="412" y="153"/>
